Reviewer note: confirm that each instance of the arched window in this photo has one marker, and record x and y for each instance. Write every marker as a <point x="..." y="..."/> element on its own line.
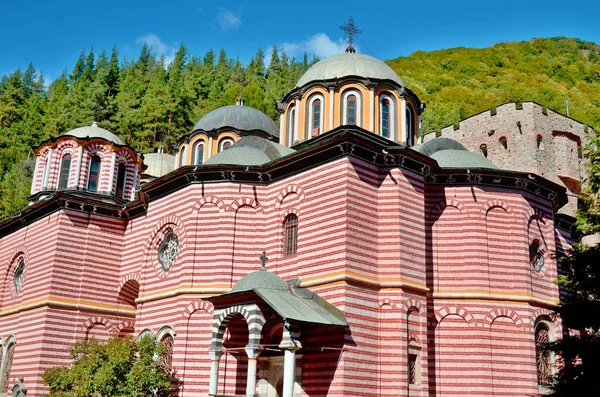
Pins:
<point x="198" y="156"/>
<point x="166" y="359"/>
<point x="536" y="255"/>
<point x="483" y="148"/>
<point x="65" y="168"/>
<point x="19" y="275"/>
<point x="7" y="366"/>
<point x="225" y="144"/>
<point x="290" y="235"/>
<point x="182" y="155"/>
<point x="94" y="174"/>
<point x="387" y="116"/>
<point x="315" y="116"/>
<point x="291" y="126"/>
<point x="121" y="180"/>
<point x="351" y="111"/>
<point x="410" y="126"/>
<point x="539" y="142"/>
<point x="542" y="355"/>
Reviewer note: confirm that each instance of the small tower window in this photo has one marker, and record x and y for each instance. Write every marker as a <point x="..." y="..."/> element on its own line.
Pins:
<point x="290" y="235"/>
<point x="121" y="180"/>
<point x="316" y="114"/>
<point x="199" y="153"/>
<point x="225" y="144"/>
<point x="182" y="155"/>
<point x="94" y="174"/>
<point x="351" y="110"/>
<point x="410" y="126"/>
<point x="385" y="118"/>
<point x="291" y="127"/>
<point x="503" y="142"/>
<point x="65" y="168"/>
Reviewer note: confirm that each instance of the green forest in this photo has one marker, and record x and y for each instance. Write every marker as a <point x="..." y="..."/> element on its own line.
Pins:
<point x="151" y="104"/>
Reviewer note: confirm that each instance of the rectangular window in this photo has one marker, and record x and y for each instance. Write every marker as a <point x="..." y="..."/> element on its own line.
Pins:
<point x="413" y="378"/>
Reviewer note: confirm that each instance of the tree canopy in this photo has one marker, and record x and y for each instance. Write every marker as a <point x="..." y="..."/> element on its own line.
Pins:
<point x="117" y="368"/>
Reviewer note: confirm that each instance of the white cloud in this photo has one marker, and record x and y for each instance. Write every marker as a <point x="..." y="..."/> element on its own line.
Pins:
<point x="318" y="44"/>
<point x="227" y="19"/>
<point x="159" y="46"/>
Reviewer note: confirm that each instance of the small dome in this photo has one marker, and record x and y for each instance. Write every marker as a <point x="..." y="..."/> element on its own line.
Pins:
<point x="238" y="117"/>
<point x="94" y="132"/>
<point x="159" y="164"/>
<point x="250" y="150"/>
<point x="450" y="154"/>
<point x="261" y="279"/>
<point x="349" y="64"/>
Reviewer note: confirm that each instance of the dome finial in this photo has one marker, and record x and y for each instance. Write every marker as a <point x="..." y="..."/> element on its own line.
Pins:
<point x="351" y="30"/>
<point x="263" y="259"/>
<point x="94" y="124"/>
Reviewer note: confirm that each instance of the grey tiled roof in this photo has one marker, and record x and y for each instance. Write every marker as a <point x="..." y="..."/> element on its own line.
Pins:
<point x="239" y="117"/>
<point x="94" y="132"/>
<point x="250" y="150"/>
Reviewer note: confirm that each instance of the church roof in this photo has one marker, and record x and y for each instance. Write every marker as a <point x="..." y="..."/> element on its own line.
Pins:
<point x="450" y="154"/>
<point x="260" y="279"/>
<point x="250" y="150"/>
<point x="94" y="132"/>
<point x="349" y="64"/>
<point x="238" y="117"/>
<point x="159" y="164"/>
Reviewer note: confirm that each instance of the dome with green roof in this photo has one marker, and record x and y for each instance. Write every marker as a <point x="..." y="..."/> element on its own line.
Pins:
<point x="260" y="279"/>
<point x="239" y="117"/>
<point x="94" y="132"/>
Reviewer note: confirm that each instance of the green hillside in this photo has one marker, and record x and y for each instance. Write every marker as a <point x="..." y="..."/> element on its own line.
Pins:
<point x="151" y="104"/>
<point x="459" y="82"/>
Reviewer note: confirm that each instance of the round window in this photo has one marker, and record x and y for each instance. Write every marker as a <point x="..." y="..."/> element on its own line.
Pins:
<point x="536" y="256"/>
<point x="167" y="251"/>
<point x="19" y="274"/>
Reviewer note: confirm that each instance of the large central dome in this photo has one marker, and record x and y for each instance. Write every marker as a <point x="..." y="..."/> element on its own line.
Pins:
<point x="349" y="64"/>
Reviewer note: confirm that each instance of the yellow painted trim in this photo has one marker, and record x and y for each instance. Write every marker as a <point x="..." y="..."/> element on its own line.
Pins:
<point x="69" y="304"/>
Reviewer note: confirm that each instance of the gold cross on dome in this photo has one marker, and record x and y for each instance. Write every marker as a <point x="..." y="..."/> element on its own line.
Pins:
<point x="263" y="259"/>
<point x="351" y="30"/>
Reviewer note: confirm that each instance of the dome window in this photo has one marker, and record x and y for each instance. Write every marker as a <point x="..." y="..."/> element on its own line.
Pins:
<point x="225" y="144"/>
<point x="410" y="126"/>
<point x="315" y="116"/>
<point x="352" y="108"/>
<point x="198" y="156"/>
<point x="121" y="180"/>
<point x="63" y="175"/>
<point x="94" y="174"/>
<point x="168" y="250"/>
<point x="291" y="126"/>
<point x="387" y="117"/>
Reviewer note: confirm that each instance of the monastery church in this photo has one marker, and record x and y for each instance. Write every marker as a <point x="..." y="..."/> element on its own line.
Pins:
<point x="341" y="253"/>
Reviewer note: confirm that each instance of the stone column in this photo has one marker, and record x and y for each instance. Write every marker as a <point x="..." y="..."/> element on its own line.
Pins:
<point x="210" y="147"/>
<point x="78" y="169"/>
<point x="47" y="168"/>
<point x="215" y="357"/>
<point x="331" y="108"/>
<point x="282" y="130"/>
<point x="253" y="351"/>
<point x="403" y="131"/>
<point x="289" y="343"/>
<point x="111" y="172"/>
<point x="372" y="110"/>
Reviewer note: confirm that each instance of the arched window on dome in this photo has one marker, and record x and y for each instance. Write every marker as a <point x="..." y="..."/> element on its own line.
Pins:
<point x="410" y="126"/>
<point x="387" y="116"/>
<point x="291" y="126"/>
<point x="290" y="235"/>
<point x="94" y="174"/>
<point x="315" y="116"/>
<point x="121" y="173"/>
<point x="352" y="108"/>
<point x="65" y="169"/>
<point x="225" y="144"/>
<point x="198" y="153"/>
<point x="182" y="155"/>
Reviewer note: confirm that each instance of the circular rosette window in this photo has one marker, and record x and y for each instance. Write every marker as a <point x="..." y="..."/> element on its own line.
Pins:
<point x="168" y="250"/>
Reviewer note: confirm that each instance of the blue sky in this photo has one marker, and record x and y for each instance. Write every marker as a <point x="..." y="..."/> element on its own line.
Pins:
<point x="51" y="34"/>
